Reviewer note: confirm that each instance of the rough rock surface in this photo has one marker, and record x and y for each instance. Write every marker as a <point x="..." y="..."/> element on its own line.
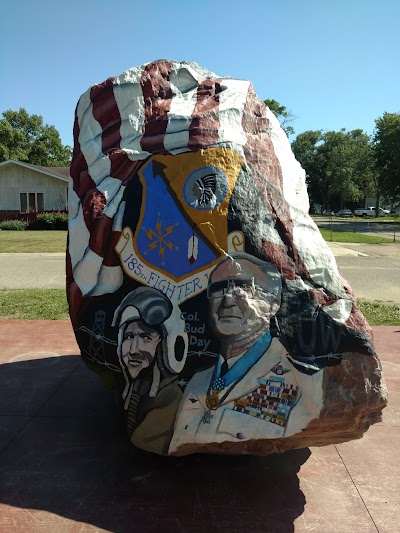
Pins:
<point x="199" y="288"/>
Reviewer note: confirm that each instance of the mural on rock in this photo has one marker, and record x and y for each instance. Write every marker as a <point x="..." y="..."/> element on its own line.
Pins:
<point x="199" y="288"/>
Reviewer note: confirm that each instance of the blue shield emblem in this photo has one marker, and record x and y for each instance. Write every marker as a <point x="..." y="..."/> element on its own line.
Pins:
<point x="167" y="238"/>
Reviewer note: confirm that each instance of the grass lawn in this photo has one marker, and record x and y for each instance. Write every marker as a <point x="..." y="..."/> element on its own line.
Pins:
<point x="33" y="241"/>
<point x="51" y="304"/>
<point x="348" y="236"/>
<point x="379" y="314"/>
<point x="55" y="241"/>
<point x="34" y="304"/>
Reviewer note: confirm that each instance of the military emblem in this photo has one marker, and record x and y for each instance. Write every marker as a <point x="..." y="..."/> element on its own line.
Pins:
<point x="205" y="188"/>
<point x="212" y="400"/>
<point x="182" y="230"/>
<point x="207" y="417"/>
<point x="166" y="238"/>
<point x="279" y="370"/>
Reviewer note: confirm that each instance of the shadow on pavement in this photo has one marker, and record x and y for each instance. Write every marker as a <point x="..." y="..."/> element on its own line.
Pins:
<point x="64" y="451"/>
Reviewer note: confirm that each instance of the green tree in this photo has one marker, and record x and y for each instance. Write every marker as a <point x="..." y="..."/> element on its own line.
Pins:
<point x="387" y="157"/>
<point x="338" y="164"/>
<point x="24" y="137"/>
<point x="284" y="116"/>
<point x="348" y="164"/>
<point x="306" y="150"/>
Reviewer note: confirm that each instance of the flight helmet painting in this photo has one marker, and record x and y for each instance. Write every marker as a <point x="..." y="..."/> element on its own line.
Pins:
<point x="155" y="315"/>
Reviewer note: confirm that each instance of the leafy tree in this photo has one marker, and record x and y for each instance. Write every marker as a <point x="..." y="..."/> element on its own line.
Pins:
<point x="387" y="156"/>
<point x="284" y="116"/>
<point x="339" y="165"/>
<point x="306" y="149"/>
<point x="24" y="137"/>
<point x="348" y="164"/>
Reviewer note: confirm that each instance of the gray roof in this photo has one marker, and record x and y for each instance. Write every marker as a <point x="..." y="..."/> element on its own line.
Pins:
<point x="61" y="172"/>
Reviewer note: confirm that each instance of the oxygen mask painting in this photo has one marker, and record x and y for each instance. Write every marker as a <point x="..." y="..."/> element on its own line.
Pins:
<point x="199" y="288"/>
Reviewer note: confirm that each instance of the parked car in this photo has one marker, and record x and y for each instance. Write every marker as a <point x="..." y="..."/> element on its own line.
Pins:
<point x="370" y="212"/>
<point x="344" y="213"/>
<point x="328" y="212"/>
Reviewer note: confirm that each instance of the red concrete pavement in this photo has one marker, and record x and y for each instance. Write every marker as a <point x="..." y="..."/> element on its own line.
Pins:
<point x="66" y="466"/>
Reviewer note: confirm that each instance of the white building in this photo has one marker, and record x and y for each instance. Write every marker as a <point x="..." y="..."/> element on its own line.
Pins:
<point x="26" y="188"/>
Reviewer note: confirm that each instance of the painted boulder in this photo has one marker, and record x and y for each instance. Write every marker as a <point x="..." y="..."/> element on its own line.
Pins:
<point x="199" y="288"/>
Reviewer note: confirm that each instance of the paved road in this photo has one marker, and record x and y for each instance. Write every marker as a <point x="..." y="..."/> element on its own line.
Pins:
<point x="30" y="271"/>
<point x="373" y="270"/>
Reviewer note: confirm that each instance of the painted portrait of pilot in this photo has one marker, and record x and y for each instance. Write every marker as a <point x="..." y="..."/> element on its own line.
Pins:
<point x="253" y="390"/>
<point x="152" y="349"/>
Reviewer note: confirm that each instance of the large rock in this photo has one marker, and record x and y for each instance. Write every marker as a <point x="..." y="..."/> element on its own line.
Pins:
<point x="199" y="287"/>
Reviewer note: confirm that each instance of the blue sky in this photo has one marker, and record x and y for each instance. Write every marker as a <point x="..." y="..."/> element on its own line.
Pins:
<point x="333" y="63"/>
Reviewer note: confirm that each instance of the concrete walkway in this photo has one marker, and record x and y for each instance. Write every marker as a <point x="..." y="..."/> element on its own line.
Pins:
<point x="373" y="270"/>
<point x="66" y="465"/>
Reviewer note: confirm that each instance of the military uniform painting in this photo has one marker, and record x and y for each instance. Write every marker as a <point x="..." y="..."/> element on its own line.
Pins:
<point x="253" y="407"/>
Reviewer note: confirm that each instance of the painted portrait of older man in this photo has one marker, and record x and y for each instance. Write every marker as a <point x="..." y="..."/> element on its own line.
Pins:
<point x="253" y="390"/>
